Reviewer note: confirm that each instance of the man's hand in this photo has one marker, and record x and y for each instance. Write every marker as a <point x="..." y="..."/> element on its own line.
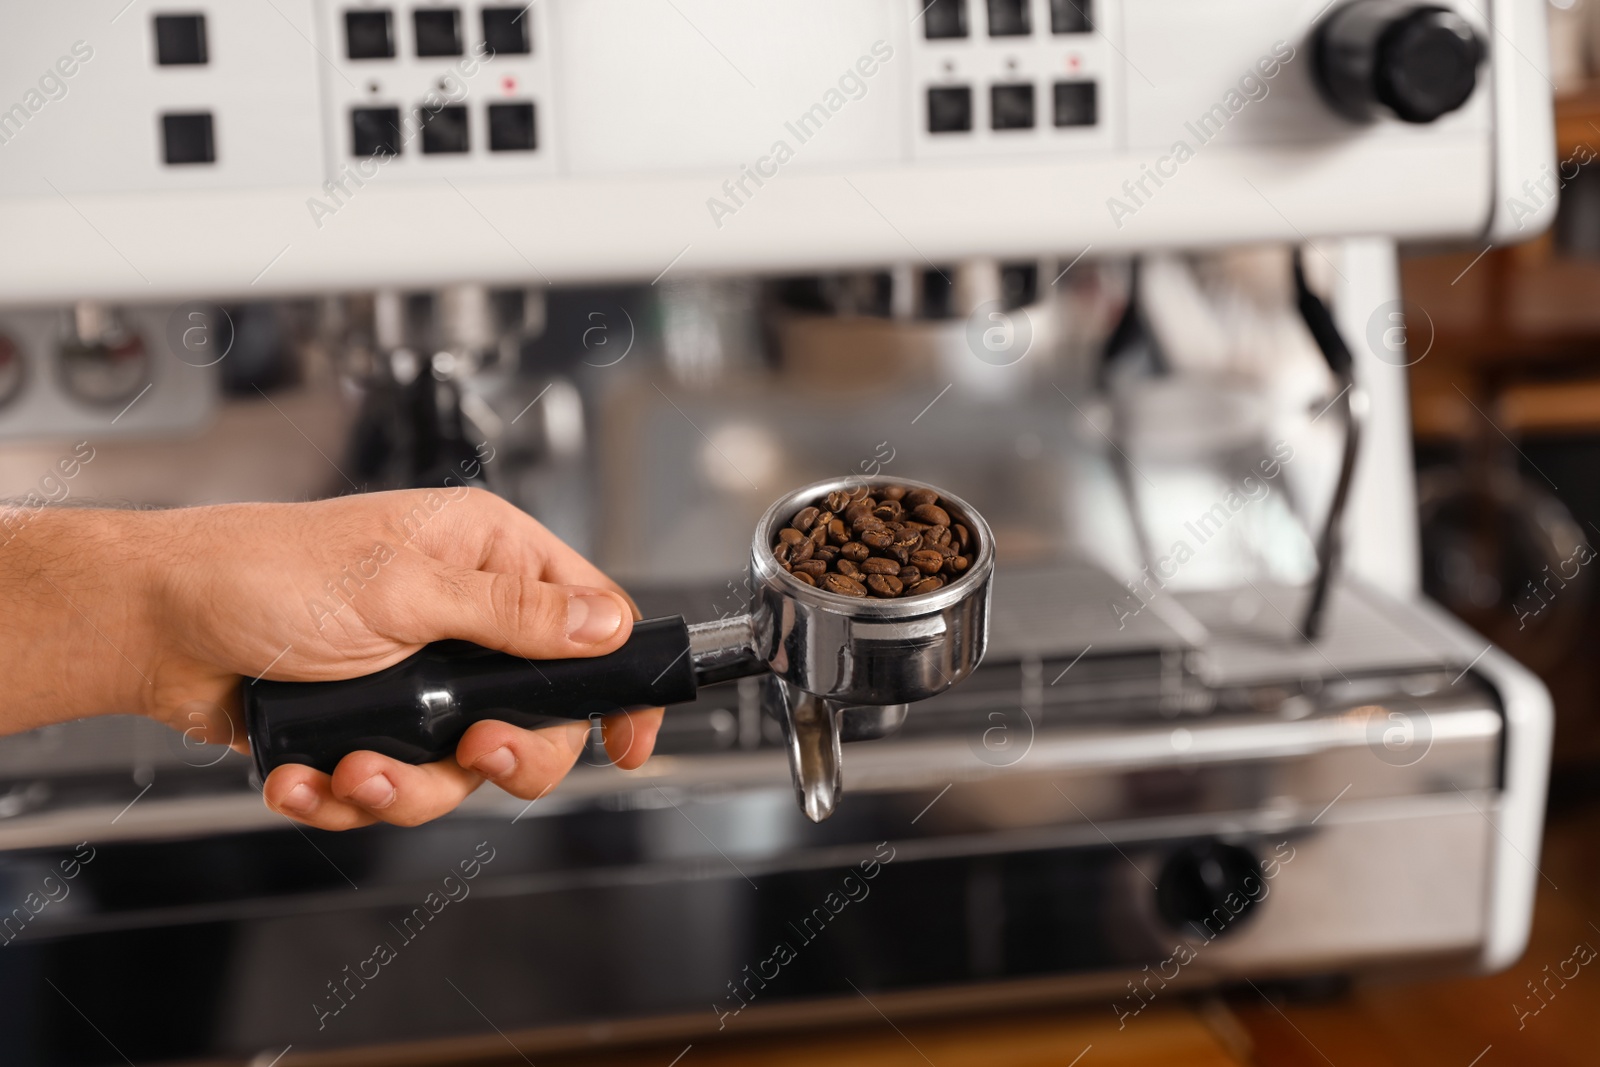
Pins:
<point x="164" y="612"/>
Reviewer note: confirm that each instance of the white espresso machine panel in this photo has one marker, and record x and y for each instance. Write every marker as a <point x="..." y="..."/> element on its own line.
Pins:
<point x="152" y="151"/>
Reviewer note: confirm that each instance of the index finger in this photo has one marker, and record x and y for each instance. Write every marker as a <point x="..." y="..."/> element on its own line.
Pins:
<point x="501" y="537"/>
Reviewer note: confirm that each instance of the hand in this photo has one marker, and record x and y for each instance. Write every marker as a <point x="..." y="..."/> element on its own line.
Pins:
<point x="309" y="592"/>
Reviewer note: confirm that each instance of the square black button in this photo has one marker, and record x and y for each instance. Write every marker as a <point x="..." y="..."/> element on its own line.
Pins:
<point x="1009" y="18"/>
<point x="506" y="31"/>
<point x="1071" y="16"/>
<point x="950" y="109"/>
<point x="187" y="138"/>
<point x="444" y="130"/>
<point x="180" y="40"/>
<point x="1011" y="106"/>
<point x="513" y="128"/>
<point x="438" y="30"/>
<point x="374" y="131"/>
<point x="944" y="19"/>
<point x="369" y="34"/>
<point x="1076" y="103"/>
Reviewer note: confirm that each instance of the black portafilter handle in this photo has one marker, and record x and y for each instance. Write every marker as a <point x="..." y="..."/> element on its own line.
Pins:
<point x="417" y="710"/>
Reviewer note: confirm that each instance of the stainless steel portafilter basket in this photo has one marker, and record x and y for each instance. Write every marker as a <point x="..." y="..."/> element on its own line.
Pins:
<point x="845" y="668"/>
<point x="837" y="669"/>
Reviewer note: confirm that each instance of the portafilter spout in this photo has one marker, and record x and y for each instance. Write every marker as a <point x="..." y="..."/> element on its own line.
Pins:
<point x="841" y="669"/>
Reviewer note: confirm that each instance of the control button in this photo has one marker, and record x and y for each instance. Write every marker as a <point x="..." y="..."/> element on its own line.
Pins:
<point x="1071" y="16"/>
<point x="180" y="40"/>
<point x="369" y="34"/>
<point x="1009" y="18"/>
<point x="1209" y="888"/>
<point x="1077" y="103"/>
<point x="950" y="109"/>
<point x="1011" y="106"/>
<point x="444" y="130"/>
<point x="513" y="128"/>
<point x="438" y="31"/>
<point x="187" y="138"/>
<point x="944" y="19"/>
<point x="505" y="31"/>
<point x="374" y="131"/>
<point x="1414" y="61"/>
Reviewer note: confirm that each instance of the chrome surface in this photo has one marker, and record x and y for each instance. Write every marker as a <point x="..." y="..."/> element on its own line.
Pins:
<point x="870" y="722"/>
<point x="812" y="727"/>
<point x="723" y="649"/>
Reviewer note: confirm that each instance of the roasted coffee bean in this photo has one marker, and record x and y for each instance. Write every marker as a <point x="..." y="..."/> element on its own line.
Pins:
<point x="885" y="585"/>
<point x="844" y="585"/>
<point x="864" y="542"/>
<point x="858" y="510"/>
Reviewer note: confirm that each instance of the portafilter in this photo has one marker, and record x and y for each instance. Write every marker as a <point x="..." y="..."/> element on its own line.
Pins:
<point x="837" y="668"/>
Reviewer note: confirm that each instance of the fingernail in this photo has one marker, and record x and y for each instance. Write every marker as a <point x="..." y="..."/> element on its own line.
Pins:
<point x="496" y="764"/>
<point x="592" y="618"/>
<point x="375" y="792"/>
<point x="302" y="800"/>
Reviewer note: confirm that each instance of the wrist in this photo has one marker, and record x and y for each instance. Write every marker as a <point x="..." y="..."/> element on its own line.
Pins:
<point x="79" y="636"/>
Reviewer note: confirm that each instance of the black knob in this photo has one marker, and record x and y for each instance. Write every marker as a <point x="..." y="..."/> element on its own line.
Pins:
<point x="1414" y="61"/>
<point x="1209" y="888"/>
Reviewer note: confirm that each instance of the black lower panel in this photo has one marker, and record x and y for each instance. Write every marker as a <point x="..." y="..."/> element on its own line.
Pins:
<point x="220" y="964"/>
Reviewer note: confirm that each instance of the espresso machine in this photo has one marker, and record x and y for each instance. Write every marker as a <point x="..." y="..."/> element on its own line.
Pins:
<point x="1118" y="276"/>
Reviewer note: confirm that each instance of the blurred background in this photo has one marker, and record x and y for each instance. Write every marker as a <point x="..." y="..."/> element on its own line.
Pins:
<point x="1283" y="749"/>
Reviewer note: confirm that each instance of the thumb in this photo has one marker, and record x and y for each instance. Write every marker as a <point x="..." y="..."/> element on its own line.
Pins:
<point x="526" y="617"/>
